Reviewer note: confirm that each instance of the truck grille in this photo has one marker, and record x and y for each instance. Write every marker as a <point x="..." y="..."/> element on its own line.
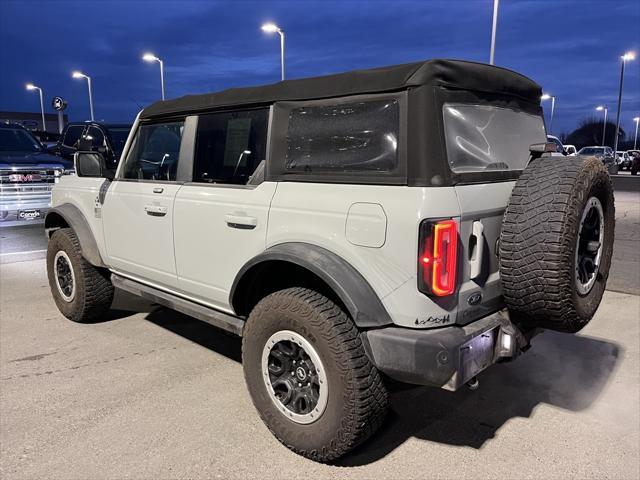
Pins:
<point x="23" y="189"/>
<point x="28" y="177"/>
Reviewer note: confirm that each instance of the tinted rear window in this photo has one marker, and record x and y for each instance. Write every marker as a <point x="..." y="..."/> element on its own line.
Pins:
<point x="489" y="138"/>
<point x="73" y="135"/>
<point x="358" y="136"/>
<point x="592" y="151"/>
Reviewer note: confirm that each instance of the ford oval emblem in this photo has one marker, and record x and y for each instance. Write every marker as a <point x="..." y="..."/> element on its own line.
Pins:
<point x="475" y="299"/>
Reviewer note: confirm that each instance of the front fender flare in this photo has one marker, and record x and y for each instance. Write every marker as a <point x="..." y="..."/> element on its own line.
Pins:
<point x="361" y="301"/>
<point x="77" y="221"/>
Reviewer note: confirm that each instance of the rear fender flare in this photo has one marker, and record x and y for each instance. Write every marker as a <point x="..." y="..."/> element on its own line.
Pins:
<point x="359" y="298"/>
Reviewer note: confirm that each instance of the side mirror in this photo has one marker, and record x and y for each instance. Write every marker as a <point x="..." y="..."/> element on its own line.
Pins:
<point x="91" y="164"/>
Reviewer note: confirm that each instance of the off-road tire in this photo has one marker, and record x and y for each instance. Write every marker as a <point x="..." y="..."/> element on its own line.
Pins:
<point x="357" y="398"/>
<point x="538" y="242"/>
<point x="93" y="290"/>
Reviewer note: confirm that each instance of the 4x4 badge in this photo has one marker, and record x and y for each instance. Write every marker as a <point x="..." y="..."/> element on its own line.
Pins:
<point x="474" y="299"/>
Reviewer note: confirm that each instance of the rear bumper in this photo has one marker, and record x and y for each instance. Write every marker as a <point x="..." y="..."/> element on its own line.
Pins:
<point x="446" y="357"/>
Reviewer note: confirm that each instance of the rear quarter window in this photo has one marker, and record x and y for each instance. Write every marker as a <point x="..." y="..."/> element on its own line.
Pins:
<point x="359" y="136"/>
<point x="483" y="138"/>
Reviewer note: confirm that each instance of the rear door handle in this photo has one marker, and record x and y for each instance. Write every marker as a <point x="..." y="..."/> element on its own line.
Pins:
<point x="243" y="222"/>
<point x="477" y="231"/>
<point x="155" y="210"/>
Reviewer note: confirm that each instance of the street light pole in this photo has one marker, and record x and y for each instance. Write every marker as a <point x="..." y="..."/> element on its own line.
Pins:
<point x="31" y="86"/>
<point x="82" y="75"/>
<point x="546" y="96"/>
<point x="161" y="77"/>
<point x="635" y="139"/>
<point x="493" y="31"/>
<point x="273" y="28"/>
<point x="624" y="58"/>
<point x="281" y="53"/>
<point x="604" y="125"/>
<point x="150" y="57"/>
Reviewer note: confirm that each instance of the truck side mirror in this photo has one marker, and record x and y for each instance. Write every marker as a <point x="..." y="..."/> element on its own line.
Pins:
<point x="91" y="164"/>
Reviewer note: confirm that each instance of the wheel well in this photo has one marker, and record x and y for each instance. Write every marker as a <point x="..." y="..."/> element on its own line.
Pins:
<point x="54" y="221"/>
<point x="270" y="276"/>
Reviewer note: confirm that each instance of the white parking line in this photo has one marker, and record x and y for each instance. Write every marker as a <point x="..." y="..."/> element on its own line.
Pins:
<point x="21" y="253"/>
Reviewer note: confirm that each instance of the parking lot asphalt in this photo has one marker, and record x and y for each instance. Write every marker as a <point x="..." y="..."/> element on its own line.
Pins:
<point x="150" y="393"/>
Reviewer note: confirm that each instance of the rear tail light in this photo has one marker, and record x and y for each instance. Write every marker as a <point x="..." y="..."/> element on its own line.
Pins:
<point x="437" y="257"/>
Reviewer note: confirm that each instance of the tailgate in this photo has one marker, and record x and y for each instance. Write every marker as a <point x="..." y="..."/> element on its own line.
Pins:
<point x="482" y="207"/>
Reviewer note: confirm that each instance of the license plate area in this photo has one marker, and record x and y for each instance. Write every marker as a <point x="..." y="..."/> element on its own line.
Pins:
<point x="32" y="214"/>
<point x="476" y="355"/>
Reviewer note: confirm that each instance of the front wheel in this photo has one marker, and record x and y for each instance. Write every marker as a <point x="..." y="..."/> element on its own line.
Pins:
<point x="308" y="375"/>
<point x="82" y="292"/>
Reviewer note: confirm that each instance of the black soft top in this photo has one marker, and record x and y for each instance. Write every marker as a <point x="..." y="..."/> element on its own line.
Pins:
<point x="454" y="74"/>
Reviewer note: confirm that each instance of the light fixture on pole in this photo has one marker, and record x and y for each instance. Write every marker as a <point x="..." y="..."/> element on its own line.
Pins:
<point x="150" y="57"/>
<point x="546" y="96"/>
<point x="635" y="139"/>
<point x="604" y="125"/>
<point x="494" y="27"/>
<point x="627" y="57"/>
<point x="31" y="86"/>
<point x="77" y="74"/>
<point x="273" y="28"/>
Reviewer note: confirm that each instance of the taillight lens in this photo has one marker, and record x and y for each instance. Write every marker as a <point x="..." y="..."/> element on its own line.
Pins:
<point x="437" y="257"/>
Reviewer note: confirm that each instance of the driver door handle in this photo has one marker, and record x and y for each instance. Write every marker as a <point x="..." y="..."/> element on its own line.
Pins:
<point x="243" y="222"/>
<point x="155" y="210"/>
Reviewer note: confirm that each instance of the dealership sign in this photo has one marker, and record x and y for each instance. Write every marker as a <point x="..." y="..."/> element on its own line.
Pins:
<point x="59" y="104"/>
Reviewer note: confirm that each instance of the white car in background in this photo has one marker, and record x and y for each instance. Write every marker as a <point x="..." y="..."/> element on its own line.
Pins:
<point x="570" y="150"/>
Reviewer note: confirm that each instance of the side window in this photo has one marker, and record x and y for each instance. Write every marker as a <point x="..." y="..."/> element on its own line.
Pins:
<point x="96" y="136"/>
<point x="154" y="153"/>
<point x="343" y="137"/>
<point x="230" y="146"/>
<point x="72" y="135"/>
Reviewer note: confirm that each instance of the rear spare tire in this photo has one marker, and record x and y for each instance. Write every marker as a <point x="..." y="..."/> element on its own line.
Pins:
<point x="556" y="242"/>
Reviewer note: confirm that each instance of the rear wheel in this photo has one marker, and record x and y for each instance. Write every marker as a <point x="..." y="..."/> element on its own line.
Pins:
<point x="82" y="292"/>
<point x="556" y="243"/>
<point x="308" y="375"/>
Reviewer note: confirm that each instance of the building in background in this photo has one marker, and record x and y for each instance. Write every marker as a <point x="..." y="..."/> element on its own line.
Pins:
<point x="33" y="121"/>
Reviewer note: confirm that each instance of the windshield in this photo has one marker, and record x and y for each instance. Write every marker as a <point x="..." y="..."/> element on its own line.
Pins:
<point x="591" y="151"/>
<point x="487" y="137"/>
<point x="18" y="140"/>
<point x="118" y="139"/>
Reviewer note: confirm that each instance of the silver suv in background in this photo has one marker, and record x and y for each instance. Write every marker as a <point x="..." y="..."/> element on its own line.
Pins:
<point x="604" y="154"/>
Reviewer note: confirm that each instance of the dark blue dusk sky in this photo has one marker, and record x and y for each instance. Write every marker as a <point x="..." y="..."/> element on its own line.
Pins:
<point x="570" y="47"/>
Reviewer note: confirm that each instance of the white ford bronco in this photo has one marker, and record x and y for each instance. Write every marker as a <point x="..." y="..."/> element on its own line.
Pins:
<point x="406" y="222"/>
